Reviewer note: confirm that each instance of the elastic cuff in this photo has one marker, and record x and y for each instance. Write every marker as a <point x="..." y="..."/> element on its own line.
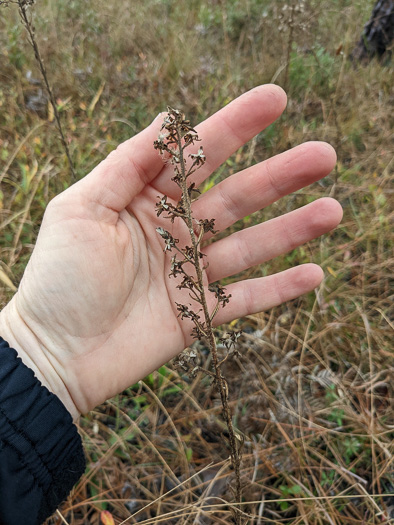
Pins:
<point x="41" y="454"/>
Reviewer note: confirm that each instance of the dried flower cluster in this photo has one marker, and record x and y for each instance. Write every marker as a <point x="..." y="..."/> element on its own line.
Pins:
<point x="292" y="19"/>
<point x="293" y="15"/>
<point x="176" y="135"/>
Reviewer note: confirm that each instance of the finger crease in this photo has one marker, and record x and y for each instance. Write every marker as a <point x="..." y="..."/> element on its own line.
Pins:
<point x="238" y="137"/>
<point x="278" y="288"/>
<point x="291" y="243"/>
<point x="248" y="298"/>
<point x="272" y="180"/>
<point x="229" y="204"/>
<point x="243" y="248"/>
<point x="141" y="172"/>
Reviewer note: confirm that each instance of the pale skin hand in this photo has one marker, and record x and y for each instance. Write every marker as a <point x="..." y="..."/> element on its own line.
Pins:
<point x="95" y="311"/>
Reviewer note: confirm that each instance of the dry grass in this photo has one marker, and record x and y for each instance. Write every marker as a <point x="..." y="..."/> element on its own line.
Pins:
<point x="313" y="390"/>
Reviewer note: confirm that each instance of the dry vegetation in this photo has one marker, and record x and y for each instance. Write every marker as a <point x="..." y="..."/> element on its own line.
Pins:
<point x="312" y="392"/>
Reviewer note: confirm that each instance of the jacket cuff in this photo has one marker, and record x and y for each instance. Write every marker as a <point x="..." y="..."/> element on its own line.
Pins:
<point x="41" y="454"/>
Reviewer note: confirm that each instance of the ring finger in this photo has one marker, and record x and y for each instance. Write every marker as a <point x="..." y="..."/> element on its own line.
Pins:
<point x="263" y="242"/>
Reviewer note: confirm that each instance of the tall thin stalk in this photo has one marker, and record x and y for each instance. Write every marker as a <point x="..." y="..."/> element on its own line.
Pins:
<point x="26" y="18"/>
<point x="289" y="46"/>
<point x="176" y="135"/>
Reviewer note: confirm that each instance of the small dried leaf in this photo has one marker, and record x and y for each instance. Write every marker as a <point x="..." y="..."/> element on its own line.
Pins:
<point x="7" y="281"/>
<point x="106" y="518"/>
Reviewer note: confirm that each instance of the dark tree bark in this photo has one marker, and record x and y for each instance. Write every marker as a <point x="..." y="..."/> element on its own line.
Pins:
<point x="378" y="34"/>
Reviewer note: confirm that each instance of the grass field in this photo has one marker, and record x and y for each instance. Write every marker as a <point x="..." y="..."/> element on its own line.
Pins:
<point x="312" y="393"/>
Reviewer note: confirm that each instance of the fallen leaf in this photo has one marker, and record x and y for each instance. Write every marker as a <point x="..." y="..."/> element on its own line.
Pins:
<point x="106" y="518"/>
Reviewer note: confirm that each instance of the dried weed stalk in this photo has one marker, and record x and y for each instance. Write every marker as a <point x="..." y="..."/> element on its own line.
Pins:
<point x="175" y="137"/>
<point x="24" y="9"/>
<point x="292" y="18"/>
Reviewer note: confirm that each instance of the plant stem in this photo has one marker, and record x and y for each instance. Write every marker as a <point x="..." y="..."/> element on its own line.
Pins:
<point x="30" y="29"/>
<point x="221" y="382"/>
<point x="289" y="46"/>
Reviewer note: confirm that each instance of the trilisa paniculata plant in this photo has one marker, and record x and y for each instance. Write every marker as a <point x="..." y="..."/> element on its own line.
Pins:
<point x="187" y="264"/>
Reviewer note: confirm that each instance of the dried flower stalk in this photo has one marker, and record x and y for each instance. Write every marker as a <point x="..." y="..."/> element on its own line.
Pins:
<point x="26" y="18"/>
<point x="175" y="137"/>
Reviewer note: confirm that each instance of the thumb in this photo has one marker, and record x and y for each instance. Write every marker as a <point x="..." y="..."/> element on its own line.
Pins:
<point x="115" y="182"/>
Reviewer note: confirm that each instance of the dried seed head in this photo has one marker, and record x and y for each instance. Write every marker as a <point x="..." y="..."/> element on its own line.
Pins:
<point x="176" y="266"/>
<point x="208" y="225"/>
<point x="199" y="157"/>
<point x="169" y="240"/>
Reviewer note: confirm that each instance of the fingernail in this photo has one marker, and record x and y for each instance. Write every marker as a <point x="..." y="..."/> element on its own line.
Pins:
<point x="156" y="117"/>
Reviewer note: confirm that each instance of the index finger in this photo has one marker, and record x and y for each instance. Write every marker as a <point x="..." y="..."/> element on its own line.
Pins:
<point x="227" y="130"/>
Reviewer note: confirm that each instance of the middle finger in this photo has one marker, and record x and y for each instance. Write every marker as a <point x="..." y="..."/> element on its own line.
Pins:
<point x="258" y="186"/>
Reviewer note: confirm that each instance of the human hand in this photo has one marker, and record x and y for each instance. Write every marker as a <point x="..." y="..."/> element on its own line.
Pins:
<point x="95" y="310"/>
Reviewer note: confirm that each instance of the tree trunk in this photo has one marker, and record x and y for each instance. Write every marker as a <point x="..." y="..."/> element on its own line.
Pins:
<point x="378" y="33"/>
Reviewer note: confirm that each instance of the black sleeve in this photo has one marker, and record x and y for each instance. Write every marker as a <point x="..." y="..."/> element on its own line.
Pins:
<point x="41" y="455"/>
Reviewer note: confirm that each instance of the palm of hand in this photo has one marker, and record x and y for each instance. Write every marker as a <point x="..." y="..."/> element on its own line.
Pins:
<point x="96" y="292"/>
<point x="112" y="302"/>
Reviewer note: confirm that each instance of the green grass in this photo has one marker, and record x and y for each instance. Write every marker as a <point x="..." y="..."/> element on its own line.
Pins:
<point x="313" y="393"/>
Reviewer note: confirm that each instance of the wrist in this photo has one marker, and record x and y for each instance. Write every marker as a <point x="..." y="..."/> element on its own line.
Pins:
<point x="33" y="353"/>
